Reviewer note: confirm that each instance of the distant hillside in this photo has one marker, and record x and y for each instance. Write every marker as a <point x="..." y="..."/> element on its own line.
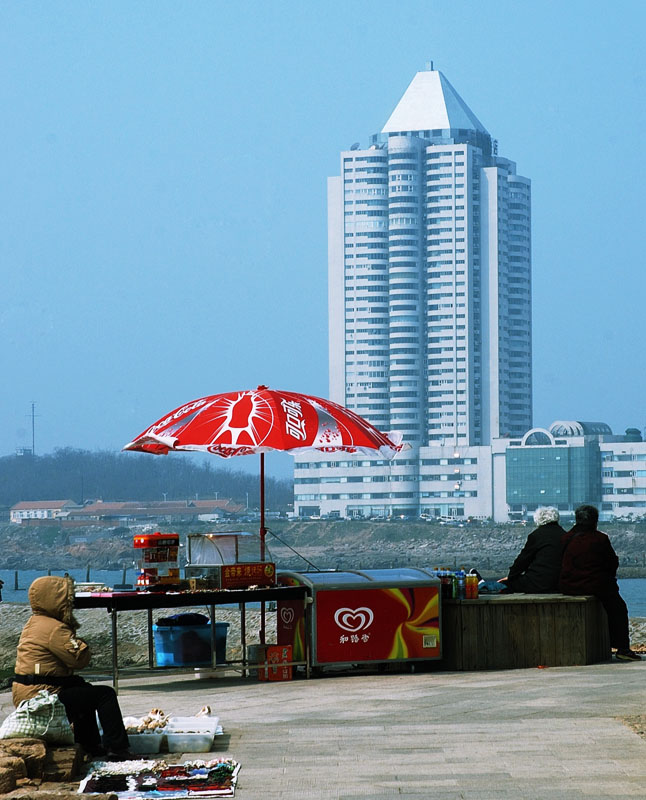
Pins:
<point x="491" y="548"/>
<point x="82" y="474"/>
<point x="324" y="544"/>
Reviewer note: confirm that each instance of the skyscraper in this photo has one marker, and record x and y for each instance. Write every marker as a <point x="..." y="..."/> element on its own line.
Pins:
<point x="429" y="289"/>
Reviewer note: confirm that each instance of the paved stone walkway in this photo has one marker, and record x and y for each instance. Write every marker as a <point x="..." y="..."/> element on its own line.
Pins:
<point x="536" y="734"/>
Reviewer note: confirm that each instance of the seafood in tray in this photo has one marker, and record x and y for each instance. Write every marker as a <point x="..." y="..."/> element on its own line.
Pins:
<point x="156" y="731"/>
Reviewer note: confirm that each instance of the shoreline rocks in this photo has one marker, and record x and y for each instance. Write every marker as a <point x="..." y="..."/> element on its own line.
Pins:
<point x="133" y="640"/>
<point x="342" y="544"/>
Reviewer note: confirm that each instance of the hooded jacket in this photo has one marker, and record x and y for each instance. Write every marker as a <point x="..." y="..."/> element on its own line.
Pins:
<point x="48" y="643"/>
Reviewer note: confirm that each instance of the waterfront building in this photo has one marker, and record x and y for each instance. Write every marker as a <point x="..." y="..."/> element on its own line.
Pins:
<point x="27" y="510"/>
<point x="568" y="464"/>
<point x="564" y="465"/>
<point x="429" y="248"/>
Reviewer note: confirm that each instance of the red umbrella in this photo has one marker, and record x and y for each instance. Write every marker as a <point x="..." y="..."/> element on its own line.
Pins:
<point x="262" y="420"/>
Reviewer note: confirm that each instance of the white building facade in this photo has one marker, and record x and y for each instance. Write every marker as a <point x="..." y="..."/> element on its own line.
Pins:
<point x="623" y="479"/>
<point x="429" y="246"/>
<point x="41" y="509"/>
<point x="565" y="465"/>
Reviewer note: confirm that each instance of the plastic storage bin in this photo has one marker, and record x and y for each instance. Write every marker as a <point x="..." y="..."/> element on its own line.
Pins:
<point x="191" y="734"/>
<point x="145" y="742"/>
<point x="189" y="742"/>
<point x="189" y="645"/>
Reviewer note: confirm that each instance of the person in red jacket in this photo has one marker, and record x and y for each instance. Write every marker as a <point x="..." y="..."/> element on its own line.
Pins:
<point x="589" y="566"/>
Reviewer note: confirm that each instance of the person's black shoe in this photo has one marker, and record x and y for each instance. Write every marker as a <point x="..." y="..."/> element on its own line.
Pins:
<point x="96" y="752"/>
<point x="119" y="755"/>
<point x="627" y="655"/>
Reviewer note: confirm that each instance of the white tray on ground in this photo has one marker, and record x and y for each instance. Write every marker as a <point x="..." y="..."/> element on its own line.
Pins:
<point x="192" y="725"/>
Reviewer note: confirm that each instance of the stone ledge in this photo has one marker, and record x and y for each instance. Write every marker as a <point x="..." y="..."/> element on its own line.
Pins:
<point x="33" y="759"/>
<point x="52" y="791"/>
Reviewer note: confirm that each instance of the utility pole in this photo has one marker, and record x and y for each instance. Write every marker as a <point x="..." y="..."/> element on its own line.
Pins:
<point x="33" y="416"/>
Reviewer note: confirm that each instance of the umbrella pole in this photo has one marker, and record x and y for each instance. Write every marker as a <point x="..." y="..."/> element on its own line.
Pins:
<point x="263" y="530"/>
<point x="262" y="539"/>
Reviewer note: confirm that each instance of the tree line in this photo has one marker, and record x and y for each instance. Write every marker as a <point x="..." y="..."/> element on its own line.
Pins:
<point x="80" y="475"/>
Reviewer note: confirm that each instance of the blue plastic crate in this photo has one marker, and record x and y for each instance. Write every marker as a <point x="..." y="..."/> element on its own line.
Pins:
<point x="189" y="645"/>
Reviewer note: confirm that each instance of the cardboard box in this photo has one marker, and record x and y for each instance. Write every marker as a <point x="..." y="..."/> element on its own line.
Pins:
<point x="276" y="659"/>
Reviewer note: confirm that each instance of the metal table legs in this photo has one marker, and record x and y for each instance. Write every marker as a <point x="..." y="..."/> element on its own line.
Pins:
<point x="115" y="660"/>
<point x="151" y="649"/>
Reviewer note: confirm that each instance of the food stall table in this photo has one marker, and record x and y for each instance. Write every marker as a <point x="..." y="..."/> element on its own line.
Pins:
<point x="115" y="602"/>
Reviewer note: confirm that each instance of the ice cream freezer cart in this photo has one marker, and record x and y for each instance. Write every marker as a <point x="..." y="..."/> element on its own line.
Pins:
<point x="363" y="616"/>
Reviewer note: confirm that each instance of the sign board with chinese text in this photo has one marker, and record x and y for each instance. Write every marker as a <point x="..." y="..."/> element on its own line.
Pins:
<point x="238" y="576"/>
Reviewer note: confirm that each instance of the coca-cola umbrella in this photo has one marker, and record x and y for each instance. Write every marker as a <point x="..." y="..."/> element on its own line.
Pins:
<point x="260" y="421"/>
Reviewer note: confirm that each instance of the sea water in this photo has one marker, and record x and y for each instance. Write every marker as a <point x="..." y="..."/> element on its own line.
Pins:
<point x="633" y="590"/>
<point x="25" y="577"/>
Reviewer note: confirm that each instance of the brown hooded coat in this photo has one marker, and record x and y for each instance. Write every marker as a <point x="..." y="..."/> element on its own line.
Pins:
<point x="48" y="644"/>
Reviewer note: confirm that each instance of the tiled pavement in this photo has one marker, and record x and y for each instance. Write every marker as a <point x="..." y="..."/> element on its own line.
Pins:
<point x="535" y="734"/>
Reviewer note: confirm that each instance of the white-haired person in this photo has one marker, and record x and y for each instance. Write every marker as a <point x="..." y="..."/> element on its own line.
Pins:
<point x="537" y="567"/>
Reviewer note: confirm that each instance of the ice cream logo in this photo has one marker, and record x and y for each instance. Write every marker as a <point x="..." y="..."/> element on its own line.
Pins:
<point x="287" y="615"/>
<point x="354" y="619"/>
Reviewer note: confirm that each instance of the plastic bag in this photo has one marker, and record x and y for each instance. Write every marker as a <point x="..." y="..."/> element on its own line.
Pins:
<point x="41" y="717"/>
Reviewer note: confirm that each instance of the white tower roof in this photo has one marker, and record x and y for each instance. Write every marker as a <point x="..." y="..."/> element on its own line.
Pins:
<point x="430" y="102"/>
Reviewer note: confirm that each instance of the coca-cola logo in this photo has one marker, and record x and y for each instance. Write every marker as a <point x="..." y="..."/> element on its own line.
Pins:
<point x="180" y="414"/>
<point x="245" y="419"/>
<point x="354" y="619"/>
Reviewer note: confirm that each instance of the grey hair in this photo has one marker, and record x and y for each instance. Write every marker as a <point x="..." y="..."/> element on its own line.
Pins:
<point x="546" y="514"/>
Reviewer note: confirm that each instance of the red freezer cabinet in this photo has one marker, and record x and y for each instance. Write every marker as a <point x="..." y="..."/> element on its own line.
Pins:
<point x="363" y="616"/>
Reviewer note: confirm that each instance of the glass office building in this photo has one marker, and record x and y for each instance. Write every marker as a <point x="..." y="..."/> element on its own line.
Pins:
<point x="553" y="475"/>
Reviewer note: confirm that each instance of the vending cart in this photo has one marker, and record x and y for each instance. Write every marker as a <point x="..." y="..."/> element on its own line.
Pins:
<point x="227" y="560"/>
<point x="363" y="616"/>
<point x="158" y="553"/>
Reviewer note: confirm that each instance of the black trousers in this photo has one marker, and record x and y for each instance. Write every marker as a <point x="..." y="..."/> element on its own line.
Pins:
<point x="617" y="613"/>
<point x="82" y="704"/>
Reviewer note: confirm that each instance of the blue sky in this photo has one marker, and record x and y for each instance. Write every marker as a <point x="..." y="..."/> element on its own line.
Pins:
<point x="163" y="208"/>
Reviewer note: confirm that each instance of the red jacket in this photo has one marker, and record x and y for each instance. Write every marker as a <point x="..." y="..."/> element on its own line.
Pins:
<point x="589" y="563"/>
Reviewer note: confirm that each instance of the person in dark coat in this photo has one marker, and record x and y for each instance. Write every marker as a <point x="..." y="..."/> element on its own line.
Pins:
<point x="538" y="565"/>
<point x="590" y="567"/>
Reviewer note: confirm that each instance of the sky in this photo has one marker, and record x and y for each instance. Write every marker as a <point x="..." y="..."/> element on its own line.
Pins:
<point x="163" y="195"/>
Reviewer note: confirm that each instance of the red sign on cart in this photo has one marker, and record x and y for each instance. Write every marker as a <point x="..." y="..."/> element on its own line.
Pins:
<point x="237" y="576"/>
<point x="395" y="624"/>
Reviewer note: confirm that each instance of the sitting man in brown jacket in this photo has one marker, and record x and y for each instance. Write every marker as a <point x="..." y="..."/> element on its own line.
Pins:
<point x="48" y="653"/>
